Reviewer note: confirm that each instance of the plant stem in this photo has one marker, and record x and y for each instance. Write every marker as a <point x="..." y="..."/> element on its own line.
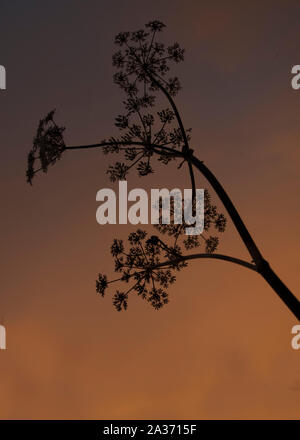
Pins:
<point x="262" y="265"/>
<point x="213" y="256"/>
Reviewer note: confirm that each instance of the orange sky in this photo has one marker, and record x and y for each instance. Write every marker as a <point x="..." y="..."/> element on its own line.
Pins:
<point x="222" y="347"/>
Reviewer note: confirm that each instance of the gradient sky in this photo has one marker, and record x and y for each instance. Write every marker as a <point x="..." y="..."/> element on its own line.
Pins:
<point x="222" y="347"/>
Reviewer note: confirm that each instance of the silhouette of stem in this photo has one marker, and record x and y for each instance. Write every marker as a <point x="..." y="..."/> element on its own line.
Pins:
<point x="175" y="110"/>
<point x="264" y="269"/>
<point x="181" y="258"/>
<point x="145" y="69"/>
<point x="213" y="256"/>
<point x="262" y="265"/>
<point x="107" y="144"/>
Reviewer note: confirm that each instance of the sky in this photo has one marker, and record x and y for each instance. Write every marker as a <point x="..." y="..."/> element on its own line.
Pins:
<point x="222" y="347"/>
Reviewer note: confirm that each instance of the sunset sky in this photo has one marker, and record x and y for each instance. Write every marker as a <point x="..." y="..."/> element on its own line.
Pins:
<point x="222" y="347"/>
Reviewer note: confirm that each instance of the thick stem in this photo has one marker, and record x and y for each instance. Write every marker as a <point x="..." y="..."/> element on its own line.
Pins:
<point x="280" y="288"/>
<point x="235" y="217"/>
<point x="262" y="265"/>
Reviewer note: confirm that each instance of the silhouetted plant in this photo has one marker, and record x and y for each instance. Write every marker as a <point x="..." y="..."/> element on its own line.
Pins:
<point x="149" y="132"/>
<point x="48" y="146"/>
<point x="151" y="263"/>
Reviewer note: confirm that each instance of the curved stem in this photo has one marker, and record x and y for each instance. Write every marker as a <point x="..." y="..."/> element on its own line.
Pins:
<point x="191" y="171"/>
<point x="175" y="110"/>
<point x="124" y="143"/>
<point x="262" y="265"/>
<point x="213" y="256"/>
<point x="234" y="215"/>
<point x="186" y="147"/>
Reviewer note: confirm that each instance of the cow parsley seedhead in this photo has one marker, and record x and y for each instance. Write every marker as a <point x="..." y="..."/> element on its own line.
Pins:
<point x="48" y="146"/>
